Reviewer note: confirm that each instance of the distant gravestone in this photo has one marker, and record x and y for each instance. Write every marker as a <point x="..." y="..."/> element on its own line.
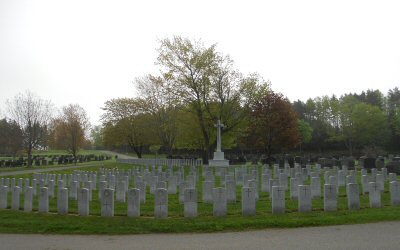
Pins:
<point x="294" y="190"/>
<point x="73" y="192"/>
<point x="230" y="187"/>
<point x="172" y="185"/>
<point x="365" y="184"/>
<point x="142" y="187"/>
<point x="369" y="163"/>
<point x="121" y="191"/>
<point x="208" y="191"/>
<point x="315" y="187"/>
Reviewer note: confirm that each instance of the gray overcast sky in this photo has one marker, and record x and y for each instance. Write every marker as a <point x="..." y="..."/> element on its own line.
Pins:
<point x="87" y="52"/>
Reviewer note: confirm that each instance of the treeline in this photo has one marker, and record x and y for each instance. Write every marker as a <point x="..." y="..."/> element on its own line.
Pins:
<point x="361" y="124"/>
<point x="32" y="123"/>
<point x="176" y="112"/>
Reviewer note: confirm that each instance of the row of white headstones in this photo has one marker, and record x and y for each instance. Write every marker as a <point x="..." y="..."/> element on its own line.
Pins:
<point x="219" y="196"/>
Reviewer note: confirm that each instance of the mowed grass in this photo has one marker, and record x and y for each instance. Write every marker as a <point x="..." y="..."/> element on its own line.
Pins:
<point x="34" y="222"/>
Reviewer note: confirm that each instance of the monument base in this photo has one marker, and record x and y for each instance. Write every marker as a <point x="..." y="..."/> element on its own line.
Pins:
<point x="218" y="163"/>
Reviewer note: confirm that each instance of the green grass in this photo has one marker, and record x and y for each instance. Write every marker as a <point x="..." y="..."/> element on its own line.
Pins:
<point x="20" y="222"/>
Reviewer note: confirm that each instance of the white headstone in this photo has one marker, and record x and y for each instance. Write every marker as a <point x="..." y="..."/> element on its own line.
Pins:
<point x="294" y="189"/>
<point x="28" y="197"/>
<point x="380" y="180"/>
<point x="43" y="200"/>
<point x="190" y="202"/>
<point x="3" y="197"/>
<point x="265" y="182"/>
<point x="51" y="186"/>
<point x="219" y="202"/>
<point x="208" y="191"/>
<point x="107" y="202"/>
<point x="121" y="191"/>
<point x="83" y="202"/>
<point x="330" y="198"/>
<point x="230" y="187"/>
<point x="102" y="186"/>
<point x="161" y="203"/>
<point x="365" y="183"/>
<point x="395" y="193"/>
<point x="172" y="184"/>
<point x="278" y="200"/>
<point x="62" y="201"/>
<point x="73" y="190"/>
<point x="374" y="195"/>
<point x="353" y="196"/>
<point x="316" y="187"/>
<point x="142" y="187"/>
<point x="248" y="201"/>
<point x="305" y="202"/>
<point x="16" y="197"/>
<point x="134" y="202"/>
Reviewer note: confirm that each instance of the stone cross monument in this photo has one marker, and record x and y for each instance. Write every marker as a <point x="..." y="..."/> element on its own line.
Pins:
<point x="219" y="159"/>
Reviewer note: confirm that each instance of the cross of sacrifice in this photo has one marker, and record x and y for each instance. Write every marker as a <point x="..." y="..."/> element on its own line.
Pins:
<point x="219" y="126"/>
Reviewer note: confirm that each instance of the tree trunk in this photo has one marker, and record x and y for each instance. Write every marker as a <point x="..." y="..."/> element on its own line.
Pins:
<point x="30" y="155"/>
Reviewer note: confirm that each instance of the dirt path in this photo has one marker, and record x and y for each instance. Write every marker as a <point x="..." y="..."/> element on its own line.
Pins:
<point x="382" y="235"/>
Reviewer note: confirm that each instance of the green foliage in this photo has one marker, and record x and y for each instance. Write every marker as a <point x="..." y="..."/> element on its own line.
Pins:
<point x="305" y="130"/>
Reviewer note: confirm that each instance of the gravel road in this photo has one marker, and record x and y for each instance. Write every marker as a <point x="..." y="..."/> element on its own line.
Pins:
<point x="384" y="235"/>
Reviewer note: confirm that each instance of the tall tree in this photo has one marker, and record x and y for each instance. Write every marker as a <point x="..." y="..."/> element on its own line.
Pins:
<point x="10" y="137"/>
<point x="206" y="83"/>
<point x="273" y="124"/>
<point x="125" y="123"/>
<point x="305" y="131"/>
<point x="33" y="115"/>
<point x="163" y="105"/>
<point x="70" y="129"/>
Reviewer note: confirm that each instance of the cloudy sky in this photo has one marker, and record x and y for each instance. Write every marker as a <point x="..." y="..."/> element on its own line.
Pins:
<point x="87" y="52"/>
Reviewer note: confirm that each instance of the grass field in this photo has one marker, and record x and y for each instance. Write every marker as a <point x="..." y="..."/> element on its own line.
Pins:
<point x="20" y="222"/>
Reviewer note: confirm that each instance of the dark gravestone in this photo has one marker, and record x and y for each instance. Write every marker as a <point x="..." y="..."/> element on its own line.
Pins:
<point x="380" y="162"/>
<point x="361" y="161"/>
<point x="291" y="162"/>
<point x="369" y="163"/>
<point x="349" y="162"/>
<point x="394" y="165"/>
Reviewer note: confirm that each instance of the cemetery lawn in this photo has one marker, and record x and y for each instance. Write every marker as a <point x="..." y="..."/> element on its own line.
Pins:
<point x="20" y="222"/>
<point x="52" y="223"/>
